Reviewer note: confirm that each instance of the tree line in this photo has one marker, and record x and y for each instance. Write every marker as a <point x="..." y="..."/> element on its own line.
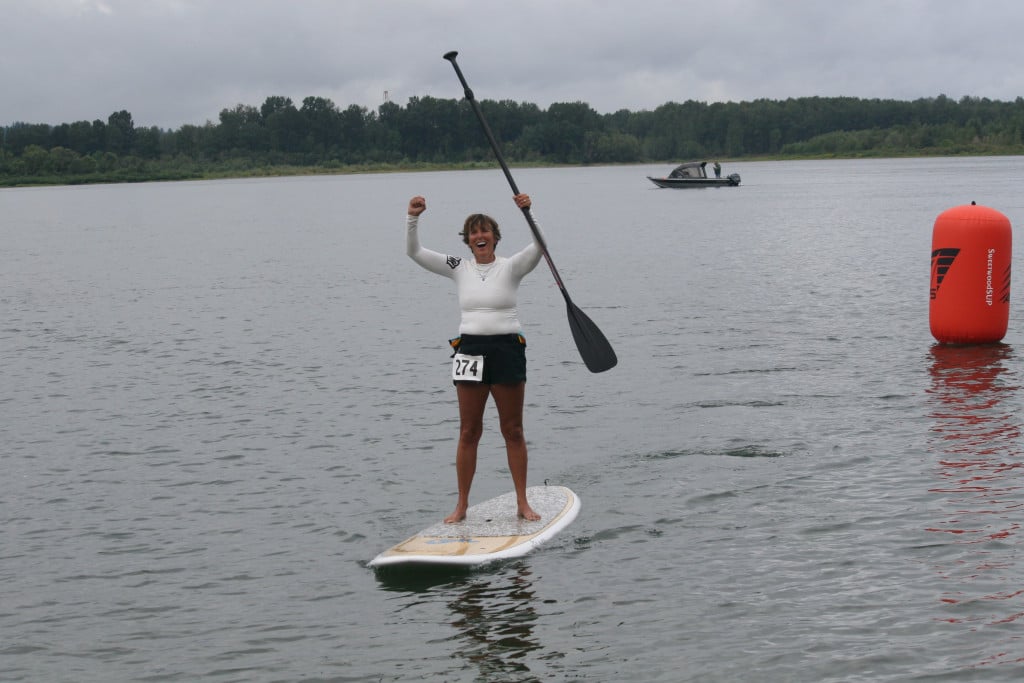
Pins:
<point x="429" y="131"/>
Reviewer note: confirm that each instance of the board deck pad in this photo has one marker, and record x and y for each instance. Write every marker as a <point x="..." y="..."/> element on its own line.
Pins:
<point x="491" y="531"/>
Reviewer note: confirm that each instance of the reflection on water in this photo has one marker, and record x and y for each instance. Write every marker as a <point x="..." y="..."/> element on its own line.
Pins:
<point x="493" y="613"/>
<point x="493" y="617"/>
<point x="969" y="383"/>
<point x="976" y="435"/>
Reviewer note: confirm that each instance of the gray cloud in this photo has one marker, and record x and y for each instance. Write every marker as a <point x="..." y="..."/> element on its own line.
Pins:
<point x="176" y="62"/>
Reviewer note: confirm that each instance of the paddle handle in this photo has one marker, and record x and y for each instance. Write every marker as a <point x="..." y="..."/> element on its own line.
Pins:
<point x="450" y="56"/>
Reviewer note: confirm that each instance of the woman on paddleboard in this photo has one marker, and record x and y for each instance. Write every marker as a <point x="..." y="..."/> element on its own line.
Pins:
<point x="490" y="352"/>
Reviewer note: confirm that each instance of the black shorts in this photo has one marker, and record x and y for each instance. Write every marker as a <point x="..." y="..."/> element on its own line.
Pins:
<point x="504" y="356"/>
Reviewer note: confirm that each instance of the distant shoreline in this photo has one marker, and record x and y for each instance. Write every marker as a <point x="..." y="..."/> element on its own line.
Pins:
<point x="283" y="171"/>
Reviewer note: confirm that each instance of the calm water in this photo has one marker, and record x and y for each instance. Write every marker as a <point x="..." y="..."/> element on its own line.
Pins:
<point x="221" y="399"/>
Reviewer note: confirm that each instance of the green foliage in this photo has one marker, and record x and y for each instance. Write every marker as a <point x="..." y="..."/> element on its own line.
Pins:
<point x="318" y="136"/>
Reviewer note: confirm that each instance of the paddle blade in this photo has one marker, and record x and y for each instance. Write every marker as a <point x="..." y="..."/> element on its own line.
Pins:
<point x="594" y="348"/>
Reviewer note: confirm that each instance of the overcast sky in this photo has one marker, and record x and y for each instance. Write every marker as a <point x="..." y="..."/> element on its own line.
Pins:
<point x="176" y="62"/>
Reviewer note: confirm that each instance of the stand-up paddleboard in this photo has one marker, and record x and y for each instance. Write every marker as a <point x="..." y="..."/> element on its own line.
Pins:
<point x="491" y="531"/>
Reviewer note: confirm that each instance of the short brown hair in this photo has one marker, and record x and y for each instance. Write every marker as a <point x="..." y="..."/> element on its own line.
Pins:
<point x="479" y="220"/>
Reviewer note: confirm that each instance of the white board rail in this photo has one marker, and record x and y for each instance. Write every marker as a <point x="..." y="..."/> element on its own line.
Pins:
<point x="491" y="531"/>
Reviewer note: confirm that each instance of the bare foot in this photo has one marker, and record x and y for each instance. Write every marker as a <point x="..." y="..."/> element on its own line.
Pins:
<point x="526" y="512"/>
<point x="457" y="516"/>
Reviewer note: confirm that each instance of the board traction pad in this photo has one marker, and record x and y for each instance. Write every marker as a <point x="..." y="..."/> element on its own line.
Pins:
<point x="499" y="516"/>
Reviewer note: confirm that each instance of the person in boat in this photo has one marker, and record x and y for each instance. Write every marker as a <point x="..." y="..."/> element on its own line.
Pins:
<point x="490" y="358"/>
<point x="718" y="170"/>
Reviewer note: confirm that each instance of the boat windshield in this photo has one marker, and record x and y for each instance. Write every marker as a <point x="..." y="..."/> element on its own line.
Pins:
<point x="693" y="169"/>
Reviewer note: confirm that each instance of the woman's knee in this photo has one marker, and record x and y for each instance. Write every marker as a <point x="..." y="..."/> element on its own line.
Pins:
<point x="471" y="433"/>
<point x="513" y="432"/>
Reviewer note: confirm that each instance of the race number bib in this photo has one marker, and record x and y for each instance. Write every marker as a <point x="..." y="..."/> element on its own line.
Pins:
<point x="467" y="368"/>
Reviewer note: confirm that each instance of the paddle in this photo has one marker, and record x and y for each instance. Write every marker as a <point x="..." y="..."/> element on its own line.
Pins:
<point x="594" y="348"/>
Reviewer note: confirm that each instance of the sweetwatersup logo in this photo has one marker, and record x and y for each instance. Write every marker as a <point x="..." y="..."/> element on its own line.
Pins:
<point x="942" y="261"/>
<point x="990" y="292"/>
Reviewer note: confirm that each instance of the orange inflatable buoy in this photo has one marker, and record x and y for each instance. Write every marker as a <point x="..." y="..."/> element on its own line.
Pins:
<point x="970" y="294"/>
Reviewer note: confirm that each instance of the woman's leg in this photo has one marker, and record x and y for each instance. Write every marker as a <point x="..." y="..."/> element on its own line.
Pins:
<point x="472" y="401"/>
<point x="509" y="400"/>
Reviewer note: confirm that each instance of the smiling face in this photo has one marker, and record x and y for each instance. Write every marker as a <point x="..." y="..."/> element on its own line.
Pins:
<point x="482" y="235"/>
<point x="481" y="243"/>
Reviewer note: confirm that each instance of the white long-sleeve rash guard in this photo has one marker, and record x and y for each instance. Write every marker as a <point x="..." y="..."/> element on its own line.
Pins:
<point x="489" y="303"/>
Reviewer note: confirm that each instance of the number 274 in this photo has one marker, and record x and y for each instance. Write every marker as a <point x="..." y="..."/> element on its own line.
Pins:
<point x="466" y="367"/>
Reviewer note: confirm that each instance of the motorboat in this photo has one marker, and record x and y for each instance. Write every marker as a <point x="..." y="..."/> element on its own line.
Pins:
<point x="694" y="174"/>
